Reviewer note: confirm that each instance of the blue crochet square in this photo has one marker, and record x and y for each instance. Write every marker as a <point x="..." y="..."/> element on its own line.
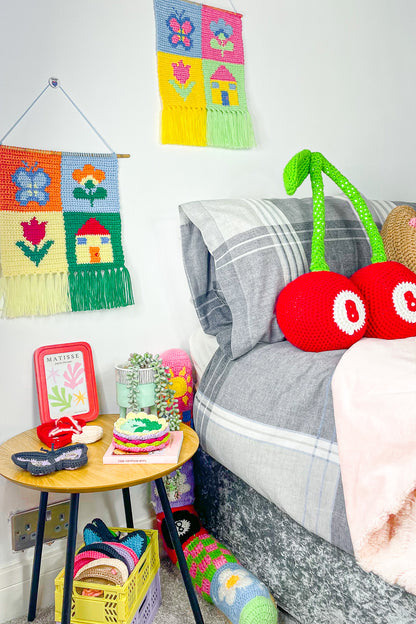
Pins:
<point x="89" y="183"/>
<point x="178" y="27"/>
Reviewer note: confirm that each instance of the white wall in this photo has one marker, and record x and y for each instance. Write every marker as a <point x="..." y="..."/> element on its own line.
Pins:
<point x="337" y="77"/>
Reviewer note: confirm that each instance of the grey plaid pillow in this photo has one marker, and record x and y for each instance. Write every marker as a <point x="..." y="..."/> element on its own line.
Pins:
<point x="240" y="253"/>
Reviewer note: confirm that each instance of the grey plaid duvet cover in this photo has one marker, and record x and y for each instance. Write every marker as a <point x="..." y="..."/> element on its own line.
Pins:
<point x="268" y="417"/>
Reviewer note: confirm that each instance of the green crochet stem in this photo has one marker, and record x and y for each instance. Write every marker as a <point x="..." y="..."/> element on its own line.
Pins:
<point x="314" y="163"/>
<point x="318" y="199"/>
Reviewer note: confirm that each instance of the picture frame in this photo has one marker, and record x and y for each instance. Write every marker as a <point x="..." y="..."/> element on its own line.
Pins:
<point x="65" y="381"/>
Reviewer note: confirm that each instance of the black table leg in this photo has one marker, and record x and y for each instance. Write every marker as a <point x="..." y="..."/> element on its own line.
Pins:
<point x="37" y="557"/>
<point x="69" y="561"/>
<point x="127" y="508"/>
<point x="179" y="552"/>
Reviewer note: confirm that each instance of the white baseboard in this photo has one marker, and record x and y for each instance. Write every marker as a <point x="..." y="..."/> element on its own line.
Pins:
<point x="15" y="578"/>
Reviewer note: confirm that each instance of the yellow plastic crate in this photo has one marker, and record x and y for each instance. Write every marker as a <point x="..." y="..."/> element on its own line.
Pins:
<point x="119" y="603"/>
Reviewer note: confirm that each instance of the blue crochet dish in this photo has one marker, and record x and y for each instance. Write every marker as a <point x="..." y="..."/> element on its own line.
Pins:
<point x="46" y="461"/>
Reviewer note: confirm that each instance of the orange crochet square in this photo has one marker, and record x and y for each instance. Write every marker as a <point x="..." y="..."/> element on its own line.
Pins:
<point x="30" y="180"/>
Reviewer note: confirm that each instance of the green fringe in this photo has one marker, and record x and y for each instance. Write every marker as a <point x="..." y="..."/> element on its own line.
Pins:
<point x="100" y="289"/>
<point x="228" y="127"/>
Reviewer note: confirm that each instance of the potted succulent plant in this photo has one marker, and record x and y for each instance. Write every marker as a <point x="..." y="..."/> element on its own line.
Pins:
<point x="143" y="383"/>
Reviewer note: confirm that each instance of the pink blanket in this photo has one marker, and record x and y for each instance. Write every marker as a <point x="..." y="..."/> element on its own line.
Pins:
<point x="374" y="392"/>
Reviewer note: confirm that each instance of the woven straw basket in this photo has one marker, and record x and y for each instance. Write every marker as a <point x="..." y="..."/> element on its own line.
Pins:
<point x="399" y="236"/>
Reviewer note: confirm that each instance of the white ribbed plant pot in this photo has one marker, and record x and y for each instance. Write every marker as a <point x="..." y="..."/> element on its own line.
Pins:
<point x="146" y="392"/>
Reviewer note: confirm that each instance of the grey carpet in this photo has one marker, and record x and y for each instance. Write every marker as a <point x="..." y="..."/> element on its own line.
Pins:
<point x="175" y="608"/>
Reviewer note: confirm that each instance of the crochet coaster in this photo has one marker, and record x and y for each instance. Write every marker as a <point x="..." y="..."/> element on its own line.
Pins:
<point x="200" y="60"/>
<point x="60" y="233"/>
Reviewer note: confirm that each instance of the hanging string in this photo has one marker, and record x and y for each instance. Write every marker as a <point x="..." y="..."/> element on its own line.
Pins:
<point x="21" y="116"/>
<point x="88" y="122"/>
<point x="55" y="83"/>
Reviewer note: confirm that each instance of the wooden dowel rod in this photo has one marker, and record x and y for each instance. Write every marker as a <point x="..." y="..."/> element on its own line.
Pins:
<point x="123" y="155"/>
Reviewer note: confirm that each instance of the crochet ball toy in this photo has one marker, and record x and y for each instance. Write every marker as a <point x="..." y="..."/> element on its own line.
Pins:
<point x="215" y="572"/>
<point x="322" y="310"/>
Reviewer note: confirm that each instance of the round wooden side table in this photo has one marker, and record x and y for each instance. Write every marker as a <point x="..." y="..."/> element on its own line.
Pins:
<point x="94" y="477"/>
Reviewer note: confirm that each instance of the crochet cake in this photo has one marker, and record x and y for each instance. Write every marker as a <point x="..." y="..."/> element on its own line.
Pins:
<point x="140" y="433"/>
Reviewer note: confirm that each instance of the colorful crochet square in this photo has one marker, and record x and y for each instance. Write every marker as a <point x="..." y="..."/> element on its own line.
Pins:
<point x="201" y="75"/>
<point x="60" y="233"/>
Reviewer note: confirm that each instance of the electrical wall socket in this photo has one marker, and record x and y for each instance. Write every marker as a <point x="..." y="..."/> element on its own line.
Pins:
<point x="24" y="525"/>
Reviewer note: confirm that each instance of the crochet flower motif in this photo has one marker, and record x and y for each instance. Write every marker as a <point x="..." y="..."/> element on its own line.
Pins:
<point x="231" y="580"/>
<point x="89" y="178"/>
<point x="34" y="232"/>
<point x="181" y="74"/>
<point x="32" y="182"/>
<point x="222" y="33"/>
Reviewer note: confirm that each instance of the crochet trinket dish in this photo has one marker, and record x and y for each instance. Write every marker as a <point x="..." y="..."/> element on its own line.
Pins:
<point x="43" y="462"/>
<point x="67" y="430"/>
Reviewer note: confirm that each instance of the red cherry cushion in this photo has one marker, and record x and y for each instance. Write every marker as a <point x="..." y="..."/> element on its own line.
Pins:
<point x="321" y="311"/>
<point x="389" y="289"/>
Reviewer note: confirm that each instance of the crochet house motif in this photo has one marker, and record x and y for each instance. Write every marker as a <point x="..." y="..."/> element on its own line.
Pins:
<point x="201" y="75"/>
<point x="60" y="233"/>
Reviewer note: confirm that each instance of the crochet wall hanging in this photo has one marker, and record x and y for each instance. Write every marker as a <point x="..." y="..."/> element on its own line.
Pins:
<point x="200" y="59"/>
<point x="60" y="231"/>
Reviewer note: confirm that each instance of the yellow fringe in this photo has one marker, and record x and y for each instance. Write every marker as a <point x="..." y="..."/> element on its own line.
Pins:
<point x="34" y="295"/>
<point x="184" y="126"/>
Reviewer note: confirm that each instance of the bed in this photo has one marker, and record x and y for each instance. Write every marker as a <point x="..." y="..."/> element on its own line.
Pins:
<point x="268" y="475"/>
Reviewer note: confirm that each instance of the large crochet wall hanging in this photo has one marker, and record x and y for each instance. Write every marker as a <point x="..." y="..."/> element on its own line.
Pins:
<point x="60" y="233"/>
<point x="200" y="60"/>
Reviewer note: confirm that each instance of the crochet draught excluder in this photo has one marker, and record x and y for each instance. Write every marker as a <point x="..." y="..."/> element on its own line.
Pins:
<point x="377" y="301"/>
<point x="60" y="233"/>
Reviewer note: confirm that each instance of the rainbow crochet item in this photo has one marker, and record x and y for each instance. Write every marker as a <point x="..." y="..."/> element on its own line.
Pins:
<point x="60" y="233"/>
<point x="200" y="59"/>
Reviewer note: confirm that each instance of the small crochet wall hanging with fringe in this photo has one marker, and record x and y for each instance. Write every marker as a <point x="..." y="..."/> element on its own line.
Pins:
<point x="60" y="233"/>
<point x="200" y="60"/>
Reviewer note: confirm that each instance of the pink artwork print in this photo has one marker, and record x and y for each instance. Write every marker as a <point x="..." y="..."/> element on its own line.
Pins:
<point x="73" y="375"/>
<point x="222" y="38"/>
